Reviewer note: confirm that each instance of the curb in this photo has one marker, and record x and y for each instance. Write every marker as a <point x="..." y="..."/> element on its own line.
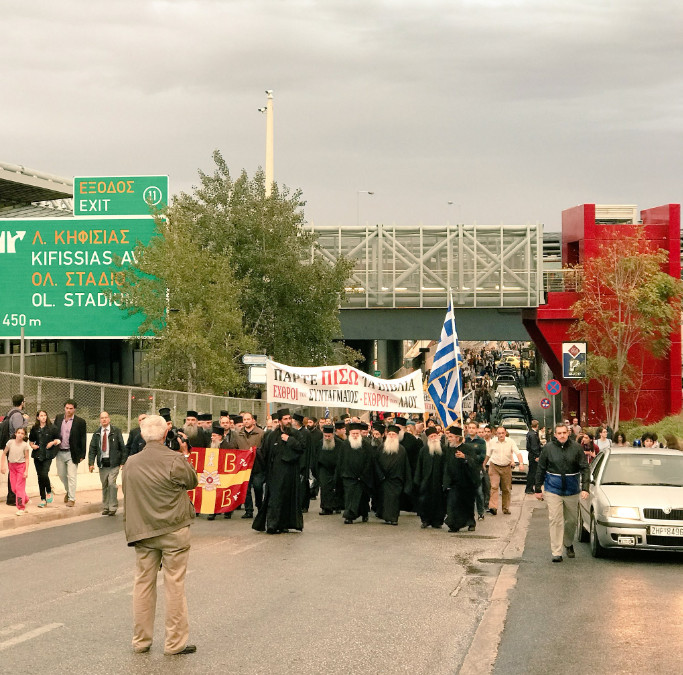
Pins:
<point x="481" y="656"/>
<point x="90" y="503"/>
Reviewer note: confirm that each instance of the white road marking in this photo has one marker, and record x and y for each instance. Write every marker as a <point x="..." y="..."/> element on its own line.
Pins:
<point x="29" y="636"/>
<point x="11" y="629"/>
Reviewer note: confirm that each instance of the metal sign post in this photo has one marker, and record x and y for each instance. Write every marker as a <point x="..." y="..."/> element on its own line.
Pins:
<point x="553" y="387"/>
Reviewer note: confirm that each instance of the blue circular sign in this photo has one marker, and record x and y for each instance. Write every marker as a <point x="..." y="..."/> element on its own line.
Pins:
<point x="545" y="403"/>
<point x="553" y="387"/>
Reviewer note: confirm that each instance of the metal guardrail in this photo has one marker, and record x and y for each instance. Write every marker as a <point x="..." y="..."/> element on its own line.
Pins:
<point x="562" y="281"/>
<point x="123" y="404"/>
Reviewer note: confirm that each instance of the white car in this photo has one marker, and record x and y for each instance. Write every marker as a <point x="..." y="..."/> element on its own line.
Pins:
<point x="636" y="501"/>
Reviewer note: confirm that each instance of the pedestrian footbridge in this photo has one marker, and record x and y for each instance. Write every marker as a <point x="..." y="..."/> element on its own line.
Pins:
<point x="492" y="271"/>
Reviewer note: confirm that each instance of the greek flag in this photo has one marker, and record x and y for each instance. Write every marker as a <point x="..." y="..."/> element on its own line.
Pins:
<point x="445" y="381"/>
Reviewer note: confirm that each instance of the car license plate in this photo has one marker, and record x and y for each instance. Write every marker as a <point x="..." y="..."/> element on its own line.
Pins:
<point x="666" y="531"/>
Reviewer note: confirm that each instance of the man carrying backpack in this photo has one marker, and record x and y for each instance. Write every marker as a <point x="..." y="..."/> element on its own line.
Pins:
<point x="14" y="419"/>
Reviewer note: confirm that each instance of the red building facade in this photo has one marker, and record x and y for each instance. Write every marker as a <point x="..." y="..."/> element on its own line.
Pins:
<point x="659" y="393"/>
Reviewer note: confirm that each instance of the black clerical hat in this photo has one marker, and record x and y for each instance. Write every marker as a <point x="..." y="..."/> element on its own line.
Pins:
<point x="379" y="426"/>
<point x="283" y="412"/>
<point x="205" y="417"/>
<point x="237" y="419"/>
<point x="191" y="413"/>
<point x="355" y="426"/>
<point x="328" y="429"/>
<point x="340" y="425"/>
<point x="164" y="411"/>
<point x="456" y="431"/>
<point x="299" y="418"/>
<point x="401" y="420"/>
<point x="224" y="413"/>
<point x="394" y="428"/>
<point x="216" y="428"/>
<point x="430" y="430"/>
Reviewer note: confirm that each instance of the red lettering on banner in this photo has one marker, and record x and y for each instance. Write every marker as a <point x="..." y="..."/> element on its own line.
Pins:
<point x="289" y="393"/>
<point x="375" y="400"/>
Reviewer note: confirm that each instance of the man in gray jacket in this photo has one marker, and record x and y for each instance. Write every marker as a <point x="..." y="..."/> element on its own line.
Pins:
<point x="157" y="518"/>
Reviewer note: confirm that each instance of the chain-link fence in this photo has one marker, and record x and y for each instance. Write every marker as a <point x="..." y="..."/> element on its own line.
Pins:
<point x="123" y="404"/>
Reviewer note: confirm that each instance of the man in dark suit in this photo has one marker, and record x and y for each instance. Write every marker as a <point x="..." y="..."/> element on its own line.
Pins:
<point x="135" y="441"/>
<point x="72" y="448"/>
<point x="107" y="446"/>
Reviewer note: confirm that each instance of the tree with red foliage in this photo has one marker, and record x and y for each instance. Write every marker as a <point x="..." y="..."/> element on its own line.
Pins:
<point x="628" y="305"/>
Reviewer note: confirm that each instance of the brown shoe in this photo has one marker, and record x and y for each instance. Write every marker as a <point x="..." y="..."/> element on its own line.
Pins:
<point x="70" y="503"/>
<point x="507" y="512"/>
<point x="66" y="497"/>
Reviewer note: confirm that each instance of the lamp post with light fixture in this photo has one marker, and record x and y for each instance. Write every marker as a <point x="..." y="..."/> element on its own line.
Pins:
<point x="358" y="194"/>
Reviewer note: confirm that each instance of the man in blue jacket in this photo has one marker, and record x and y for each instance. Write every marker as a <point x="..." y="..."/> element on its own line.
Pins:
<point x="563" y="472"/>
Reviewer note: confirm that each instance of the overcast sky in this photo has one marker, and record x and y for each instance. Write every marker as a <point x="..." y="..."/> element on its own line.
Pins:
<point x="511" y="109"/>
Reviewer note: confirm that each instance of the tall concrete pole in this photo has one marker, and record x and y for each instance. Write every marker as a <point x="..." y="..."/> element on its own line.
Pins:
<point x="269" y="142"/>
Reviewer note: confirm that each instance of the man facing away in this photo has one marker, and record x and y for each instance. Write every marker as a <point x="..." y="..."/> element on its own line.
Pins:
<point x="107" y="446"/>
<point x="72" y="448"/>
<point x="533" y="446"/>
<point x="157" y="517"/>
<point x="563" y="472"/>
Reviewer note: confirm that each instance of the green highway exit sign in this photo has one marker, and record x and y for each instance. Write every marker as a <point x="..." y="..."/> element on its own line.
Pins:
<point x="119" y="195"/>
<point x="56" y="275"/>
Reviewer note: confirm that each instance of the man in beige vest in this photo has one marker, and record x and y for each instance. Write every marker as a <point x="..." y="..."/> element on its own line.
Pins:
<point x="157" y="518"/>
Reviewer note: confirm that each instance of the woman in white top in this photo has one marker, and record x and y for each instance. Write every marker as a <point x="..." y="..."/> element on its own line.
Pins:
<point x="603" y="442"/>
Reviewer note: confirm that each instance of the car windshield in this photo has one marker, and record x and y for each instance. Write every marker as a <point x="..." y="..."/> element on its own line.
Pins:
<point x="643" y="469"/>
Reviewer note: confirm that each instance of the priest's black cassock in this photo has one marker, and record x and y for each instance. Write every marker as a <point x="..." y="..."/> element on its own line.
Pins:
<point x="354" y="476"/>
<point x="392" y="471"/>
<point x="461" y="478"/>
<point x="412" y="446"/>
<point x="281" y="509"/>
<point x="429" y="491"/>
<point x="325" y="469"/>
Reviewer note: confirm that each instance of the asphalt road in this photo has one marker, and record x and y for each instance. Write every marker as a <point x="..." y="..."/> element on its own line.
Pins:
<point x="622" y="614"/>
<point x="365" y="598"/>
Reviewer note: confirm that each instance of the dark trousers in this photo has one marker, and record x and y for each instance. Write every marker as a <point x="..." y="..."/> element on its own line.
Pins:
<point x="483" y="493"/>
<point x="42" y="469"/>
<point x="531" y="476"/>
<point x="11" y="497"/>
<point x="256" y="482"/>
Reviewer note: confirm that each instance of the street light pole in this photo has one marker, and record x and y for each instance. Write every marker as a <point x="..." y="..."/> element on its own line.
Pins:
<point x="358" y="194"/>
<point x="268" y="110"/>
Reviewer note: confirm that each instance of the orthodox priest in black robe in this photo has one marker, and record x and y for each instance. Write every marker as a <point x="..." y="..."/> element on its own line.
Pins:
<point x="304" y="461"/>
<point x="392" y="471"/>
<point x="280" y="454"/>
<point x="355" y="474"/>
<point x="325" y="470"/>
<point x="412" y="446"/>
<point x="429" y="492"/>
<point x="461" y="477"/>
<point x="376" y="439"/>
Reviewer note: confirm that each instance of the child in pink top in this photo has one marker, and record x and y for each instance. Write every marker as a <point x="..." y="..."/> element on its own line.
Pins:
<point x="16" y="453"/>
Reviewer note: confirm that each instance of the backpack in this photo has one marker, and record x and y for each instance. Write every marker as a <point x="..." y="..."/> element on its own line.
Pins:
<point x="4" y="427"/>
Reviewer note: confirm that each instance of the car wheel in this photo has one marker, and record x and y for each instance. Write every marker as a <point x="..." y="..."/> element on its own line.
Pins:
<point x="581" y="533"/>
<point x="597" y="549"/>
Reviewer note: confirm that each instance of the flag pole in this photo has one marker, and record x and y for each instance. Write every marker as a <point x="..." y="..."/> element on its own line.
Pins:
<point x="457" y="362"/>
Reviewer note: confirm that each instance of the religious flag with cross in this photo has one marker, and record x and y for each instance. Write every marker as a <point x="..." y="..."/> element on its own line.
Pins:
<point x="223" y="478"/>
<point x="445" y="379"/>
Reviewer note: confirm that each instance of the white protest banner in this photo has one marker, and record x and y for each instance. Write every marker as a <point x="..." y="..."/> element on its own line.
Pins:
<point x="343" y="387"/>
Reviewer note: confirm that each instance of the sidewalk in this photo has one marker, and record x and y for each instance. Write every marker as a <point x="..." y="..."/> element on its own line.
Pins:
<point x="88" y="498"/>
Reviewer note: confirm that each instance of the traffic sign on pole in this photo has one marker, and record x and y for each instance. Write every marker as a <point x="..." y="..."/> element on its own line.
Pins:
<point x="545" y="403"/>
<point x="254" y="359"/>
<point x="553" y="387"/>
<point x="119" y="195"/>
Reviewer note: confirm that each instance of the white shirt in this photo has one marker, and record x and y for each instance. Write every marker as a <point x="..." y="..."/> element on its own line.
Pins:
<point x="502" y="454"/>
<point x="104" y="430"/>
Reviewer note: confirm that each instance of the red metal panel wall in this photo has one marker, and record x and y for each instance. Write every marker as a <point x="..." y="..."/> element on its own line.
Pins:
<point x="659" y="393"/>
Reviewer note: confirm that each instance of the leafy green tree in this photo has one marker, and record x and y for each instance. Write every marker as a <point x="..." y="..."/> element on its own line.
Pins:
<point x="628" y="310"/>
<point x="232" y="271"/>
